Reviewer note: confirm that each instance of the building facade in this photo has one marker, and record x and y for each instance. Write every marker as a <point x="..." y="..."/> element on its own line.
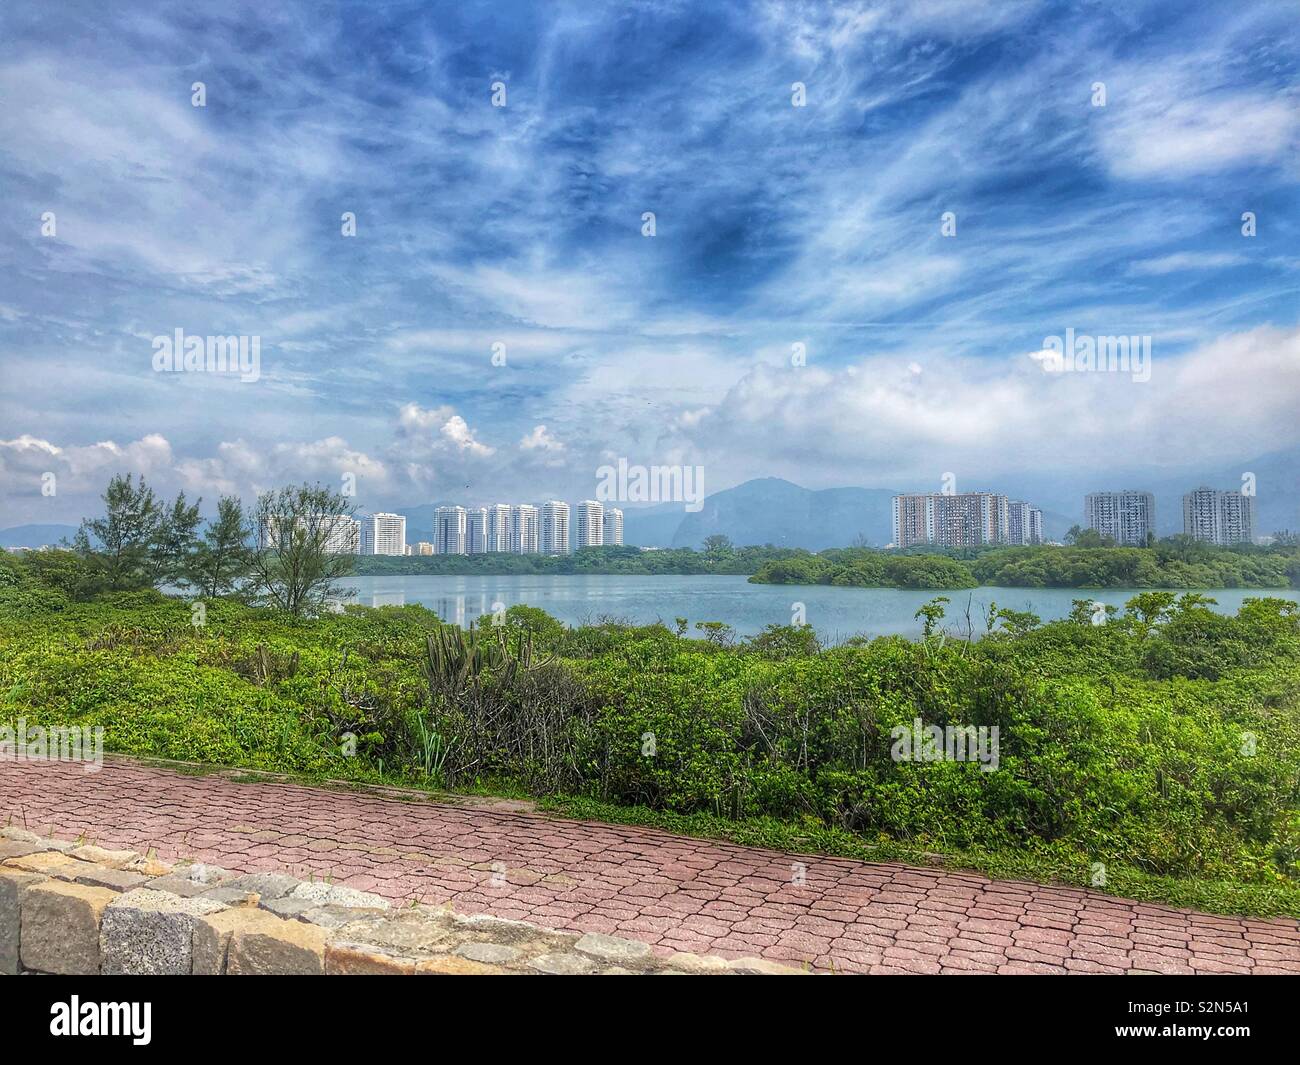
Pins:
<point x="476" y="531"/>
<point x="523" y="529"/>
<point x="966" y="519"/>
<point x="612" y="532"/>
<point x="555" y="528"/>
<point x="449" y="531"/>
<point x="383" y="534"/>
<point x="1128" y="517"/>
<point x="498" y="527"/>
<point x="589" y="524"/>
<point x="1024" y="523"/>
<point x="1219" y="517"/>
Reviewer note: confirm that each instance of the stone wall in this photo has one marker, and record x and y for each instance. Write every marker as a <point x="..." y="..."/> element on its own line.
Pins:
<point x="78" y="909"/>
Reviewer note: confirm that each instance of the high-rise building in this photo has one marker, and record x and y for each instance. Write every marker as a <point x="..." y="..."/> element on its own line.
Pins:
<point x="589" y="521"/>
<point x="1219" y="517"/>
<point x="340" y="534"/>
<point x="612" y="534"/>
<point x="1024" y="523"/>
<point x="964" y="519"/>
<point x="449" y="531"/>
<point x="498" y="527"/>
<point x="1128" y="517"/>
<point x="555" y="528"/>
<point x="383" y="534"/>
<point x="424" y="547"/>
<point x="476" y="531"/>
<point x="523" y="529"/>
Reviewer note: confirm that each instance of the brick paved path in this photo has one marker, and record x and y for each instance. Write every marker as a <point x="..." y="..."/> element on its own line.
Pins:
<point x="674" y="892"/>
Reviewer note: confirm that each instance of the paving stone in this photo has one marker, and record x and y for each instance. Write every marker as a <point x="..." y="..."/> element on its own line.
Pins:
<point x="563" y="964"/>
<point x="611" y="948"/>
<point x="150" y="933"/>
<point x="696" y="896"/>
<point x="59" y="931"/>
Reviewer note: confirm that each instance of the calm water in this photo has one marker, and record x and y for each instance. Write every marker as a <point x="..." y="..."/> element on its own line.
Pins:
<point x="836" y="613"/>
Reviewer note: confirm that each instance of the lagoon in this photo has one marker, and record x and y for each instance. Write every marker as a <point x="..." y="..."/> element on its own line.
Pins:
<point x="835" y="613"/>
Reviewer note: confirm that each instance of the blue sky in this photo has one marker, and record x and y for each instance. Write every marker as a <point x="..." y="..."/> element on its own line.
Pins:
<point x="521" y="225"/>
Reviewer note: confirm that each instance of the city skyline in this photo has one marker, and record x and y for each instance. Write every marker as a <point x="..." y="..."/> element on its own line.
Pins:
<point x="903" y="210"/>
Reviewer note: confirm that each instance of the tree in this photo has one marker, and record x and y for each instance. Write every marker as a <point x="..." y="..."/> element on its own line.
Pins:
<point x="293" y="567"/>
<point x="174" y="542"/>
<point x="222" y="558"/>
<point x="120" y="544"/>
<point x="932" y="613"/>
<point x="718" y="547"/>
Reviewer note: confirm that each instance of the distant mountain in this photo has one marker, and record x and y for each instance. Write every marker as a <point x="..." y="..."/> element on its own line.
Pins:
<point x="768" y="510"/>
<point x="36" y="535"/>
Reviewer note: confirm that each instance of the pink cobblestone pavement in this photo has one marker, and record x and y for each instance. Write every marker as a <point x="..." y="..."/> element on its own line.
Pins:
<point x="674" y="892"/>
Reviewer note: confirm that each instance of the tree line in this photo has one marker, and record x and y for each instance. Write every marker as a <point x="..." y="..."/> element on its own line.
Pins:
<point x="278" y="554"/>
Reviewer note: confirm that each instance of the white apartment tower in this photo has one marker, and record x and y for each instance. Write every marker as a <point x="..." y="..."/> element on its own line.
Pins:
<point x="449" y="531"/>
<point x="476" y="531"/>
<point x="498" y="527"/>
<point x="1127" y="516"/>
<point x="555" y="528"/>
<point x="1219" y="517"/>
<point x="1024" y="523"/>
<point x="612" y="534"/>
<point x="523" y="529"/>
<point x="590" y="524"/>
<point x="383" y="534"/>
<point x="964" y="519"/>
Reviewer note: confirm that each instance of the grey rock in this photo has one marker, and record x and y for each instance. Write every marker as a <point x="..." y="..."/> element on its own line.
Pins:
<point x="268" y="885"/>
<point x="107" y="876"/>
<point x="407" y="933"/>
<point x="323" y="894"/>
<point x="611" y="948"/>
<point x="489" y="953"/>
<point x="12" y="884"/>
<point x="563" y="964"/>
<point x="334" y="916"/>
<point x="150" y="933"/>
<point x="198" y="873"/>
<point x="175" y="885"/>
<point x="230" y="896"/>
<point x="287" y="908"/>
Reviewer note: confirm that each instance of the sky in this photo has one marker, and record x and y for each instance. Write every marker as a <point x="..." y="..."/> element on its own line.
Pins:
<point x="855" y="291"/>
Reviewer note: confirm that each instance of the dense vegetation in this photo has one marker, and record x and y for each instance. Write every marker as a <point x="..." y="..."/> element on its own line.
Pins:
<point x="718" y="556"/>
<point x="1162" y="746"/>
<point x="1173" y="563"/>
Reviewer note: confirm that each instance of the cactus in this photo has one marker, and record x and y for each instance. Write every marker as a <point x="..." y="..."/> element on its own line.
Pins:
<point x="459" y="662"/>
